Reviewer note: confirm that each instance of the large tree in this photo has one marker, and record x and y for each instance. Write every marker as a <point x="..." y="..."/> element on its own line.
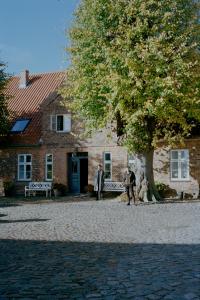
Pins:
<point x="135" y="65"/>
<point x="3" y="100"/>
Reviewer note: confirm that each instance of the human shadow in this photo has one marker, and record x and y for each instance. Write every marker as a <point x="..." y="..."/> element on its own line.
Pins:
<point x="23" y="221"/>
<point x="2" y="215"/>
<point x="81" y="270"/>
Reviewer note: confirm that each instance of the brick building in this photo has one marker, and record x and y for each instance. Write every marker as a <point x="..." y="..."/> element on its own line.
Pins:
<point x="44" y="144"/>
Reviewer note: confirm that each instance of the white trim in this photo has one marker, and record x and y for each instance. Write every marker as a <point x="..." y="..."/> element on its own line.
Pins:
<point x="53" y="122"/>
<point x="107" y="161"/>
<point x="178" y="161"/>
<point x="24" y="164"/>
<point x="48" y="163"/>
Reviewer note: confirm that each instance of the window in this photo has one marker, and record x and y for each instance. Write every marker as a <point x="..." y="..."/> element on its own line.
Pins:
<point x="61" y="123"/>
<point x="179" y="164"/>
<point x="24" y="166"/>
<point x="20" y="125"/>
<point x="131" y="161"/>
<point x="49" y="167"/>
<point x="107" y="166"/>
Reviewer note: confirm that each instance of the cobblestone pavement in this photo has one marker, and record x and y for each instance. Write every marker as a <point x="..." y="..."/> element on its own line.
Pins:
<point x="100" y="250"/>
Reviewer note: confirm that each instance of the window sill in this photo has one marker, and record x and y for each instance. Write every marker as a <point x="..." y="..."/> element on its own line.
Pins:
<point x="25" y="180"/>
<point x="180" y="180"/>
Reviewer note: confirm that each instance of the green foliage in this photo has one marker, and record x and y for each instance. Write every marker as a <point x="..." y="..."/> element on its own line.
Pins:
<point x="161" y="188"/>
<point x="136" y="61"/>
<point x="3" y="100"/>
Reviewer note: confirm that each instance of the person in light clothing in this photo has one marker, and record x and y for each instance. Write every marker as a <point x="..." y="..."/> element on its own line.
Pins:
<point x="99" y="182"/>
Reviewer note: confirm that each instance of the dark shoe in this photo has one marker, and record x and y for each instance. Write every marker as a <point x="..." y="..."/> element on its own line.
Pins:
<point x="128" y="203"/>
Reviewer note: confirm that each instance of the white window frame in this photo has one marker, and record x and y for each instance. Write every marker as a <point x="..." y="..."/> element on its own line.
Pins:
<point x="131" y="161"/>
<point x="106" y="162"/>
<point x="24" y="164"/>
<point x="48" y="163"/>
<point x="54" y="123"/>
<point x="179" y="160"/>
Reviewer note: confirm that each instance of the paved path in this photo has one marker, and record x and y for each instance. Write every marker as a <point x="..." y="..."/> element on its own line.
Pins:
<point x="100" y="250"/>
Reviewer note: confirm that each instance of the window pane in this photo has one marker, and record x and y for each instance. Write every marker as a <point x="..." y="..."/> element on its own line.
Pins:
<point x="60" y="123"/>
<point x="107" y="156"/>
<point x="20" y="125"/>
<point x="184" y="169"/>
<point x="21" y="158"/>
<point x="174" y="154"/>
<point x="174" y="167"/>
<point x="107" y="167"/>
<point x="107" y="175"/>
<point x="49" y="158"/>
<point x="21" y="172"/>
<point x="131" y="157"/>
<point x="184" y="154"/>
<point x="28" y="171"/>
<point x="28" y="158"/>
<point x="49" y="171"/>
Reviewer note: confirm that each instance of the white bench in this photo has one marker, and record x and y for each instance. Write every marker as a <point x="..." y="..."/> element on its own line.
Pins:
<point x="38" y="186"/>
<point x="114" y="186"/>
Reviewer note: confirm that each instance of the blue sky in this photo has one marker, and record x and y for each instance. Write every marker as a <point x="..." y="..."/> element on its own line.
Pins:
<point x="32" y="34"/>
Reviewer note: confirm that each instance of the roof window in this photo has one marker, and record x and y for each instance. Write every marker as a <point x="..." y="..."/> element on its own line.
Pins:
<point x="20" y="125"/>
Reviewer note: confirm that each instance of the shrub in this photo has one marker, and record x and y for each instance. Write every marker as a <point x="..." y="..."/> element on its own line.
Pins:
<point x="60" y="187"/>
<point x="9" y="188"/>
<point x="161" y="188"/>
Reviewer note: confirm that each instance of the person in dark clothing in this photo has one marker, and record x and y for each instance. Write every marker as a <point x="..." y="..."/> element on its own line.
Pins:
<point x="129" y="182"/>
<point x="99" y="182"/>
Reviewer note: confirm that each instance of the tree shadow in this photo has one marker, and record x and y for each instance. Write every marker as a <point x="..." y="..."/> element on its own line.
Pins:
<point x="2" y="205"/>
<point x="80" y="270"/>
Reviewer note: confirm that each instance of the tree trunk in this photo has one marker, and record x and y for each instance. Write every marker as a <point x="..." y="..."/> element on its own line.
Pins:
<point x="152" y="193"/>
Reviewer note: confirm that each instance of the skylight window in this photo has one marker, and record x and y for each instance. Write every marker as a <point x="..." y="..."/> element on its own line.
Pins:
<point x="20" y="125"/>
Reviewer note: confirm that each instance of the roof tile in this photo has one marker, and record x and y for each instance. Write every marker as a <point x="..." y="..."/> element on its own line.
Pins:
<point x="25" y="102"/>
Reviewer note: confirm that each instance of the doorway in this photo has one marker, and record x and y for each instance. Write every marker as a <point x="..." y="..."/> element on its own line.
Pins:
<point x="78" y="172"/>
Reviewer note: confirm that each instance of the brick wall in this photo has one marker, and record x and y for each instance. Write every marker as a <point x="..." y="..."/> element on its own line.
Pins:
<point x="162" y="168"/>
<point x="61" y="144"/>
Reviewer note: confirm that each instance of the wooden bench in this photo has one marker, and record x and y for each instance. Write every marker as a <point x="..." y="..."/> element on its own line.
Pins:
<point x="34" y="187"/>
<point x="114" y="186"/>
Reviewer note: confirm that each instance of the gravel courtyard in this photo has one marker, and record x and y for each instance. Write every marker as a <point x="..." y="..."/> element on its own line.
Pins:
<point x="100" y="250"/>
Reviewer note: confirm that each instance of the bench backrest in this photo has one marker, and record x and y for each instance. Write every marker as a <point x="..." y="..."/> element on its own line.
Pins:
<point x="114" y="186"/>
<point x="40" y="185"/>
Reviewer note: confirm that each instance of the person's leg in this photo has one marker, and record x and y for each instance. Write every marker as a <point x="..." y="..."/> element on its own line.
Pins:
<point x="128" y="194"/>
<point x="133" y="194"/>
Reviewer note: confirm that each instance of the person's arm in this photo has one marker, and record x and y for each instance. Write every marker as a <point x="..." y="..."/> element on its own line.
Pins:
<point x="103" y="177"/>
<point x="124" y="177"/>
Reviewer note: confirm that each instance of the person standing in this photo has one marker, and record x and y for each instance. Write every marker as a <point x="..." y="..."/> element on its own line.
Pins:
<point x="129" y="182"/>
<point x="99" y="182"/>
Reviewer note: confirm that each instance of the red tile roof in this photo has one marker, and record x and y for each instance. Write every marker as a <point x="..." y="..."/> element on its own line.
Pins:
<point x="25" y="102"/>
